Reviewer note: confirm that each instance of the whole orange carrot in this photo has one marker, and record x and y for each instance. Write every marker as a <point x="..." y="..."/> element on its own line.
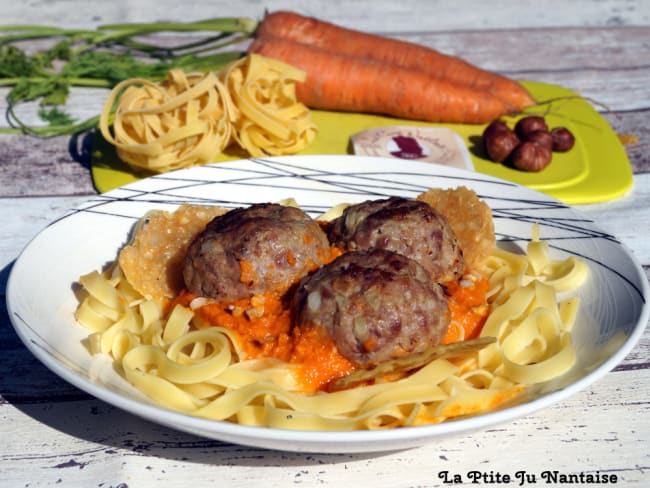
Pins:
<point x="345" y="83"/>
<point x="331" y="37"/>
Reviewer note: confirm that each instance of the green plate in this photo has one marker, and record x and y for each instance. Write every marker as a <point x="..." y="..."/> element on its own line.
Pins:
<point x="595" y="170"/>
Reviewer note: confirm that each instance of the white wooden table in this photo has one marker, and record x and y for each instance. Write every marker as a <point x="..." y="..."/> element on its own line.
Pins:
<point x="52" y="434"/>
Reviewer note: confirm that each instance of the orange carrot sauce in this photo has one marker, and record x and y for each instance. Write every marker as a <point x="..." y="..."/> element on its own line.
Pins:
<point x="264" y="328"/>
<point x="183" y="298"/>
<point x="319" y="359"/>
<point x="456" y="410"/>
<point x="262" y="323"/>
<point x="469" y="309"/>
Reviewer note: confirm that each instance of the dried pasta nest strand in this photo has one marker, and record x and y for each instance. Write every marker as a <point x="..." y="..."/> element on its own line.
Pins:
<point x="469" y="217"/>
<point x="269" y="120"/>
<point x="184" y="121"/>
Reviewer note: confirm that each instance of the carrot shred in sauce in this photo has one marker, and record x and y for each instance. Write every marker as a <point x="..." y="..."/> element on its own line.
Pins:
<point x="247" y="272"/>
<point x="262" y="323"/>
<point x="469" y="309"/>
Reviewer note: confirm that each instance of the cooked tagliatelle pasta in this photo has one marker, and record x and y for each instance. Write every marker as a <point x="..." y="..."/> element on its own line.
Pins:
<point x="165" y="349"/>
<point x="533" y="328"/>
<point x="190" y="118"/>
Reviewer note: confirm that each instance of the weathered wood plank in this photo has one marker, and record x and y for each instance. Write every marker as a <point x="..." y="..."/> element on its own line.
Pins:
<point x="53" y="433"/>
<point x="634" y="124"/>
<point x="376" y="16"/>
<point x="634" y="206"/>
<point x="517" y="51"/>
<point x="39" y="167"/>
<point x="21" y="219"/>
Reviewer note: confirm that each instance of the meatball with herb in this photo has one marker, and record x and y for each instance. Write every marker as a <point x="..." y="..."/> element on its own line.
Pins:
<point x="247" y="251"/>
<point x="410" y="227"/>
<point x="375" y="305"/>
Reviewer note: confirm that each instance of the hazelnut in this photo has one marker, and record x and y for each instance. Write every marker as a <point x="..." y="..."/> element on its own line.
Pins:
<point x="530" y="156"/>
<point x="563" y="139"/>
<point x="500" y="143"/>
<point x="541" y="137"/>
<point x="529" y="124"/>
<point x="495" y="127"/>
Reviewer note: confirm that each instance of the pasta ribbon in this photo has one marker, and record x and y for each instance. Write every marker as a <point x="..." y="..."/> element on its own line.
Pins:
<point x="509" y="271"/>
<point x="270" y="120"/>
<point x="191" y="118"/>
<point x="562" y="275"/>
<point x="184" y="121"/>
<point x="531" y="325"/>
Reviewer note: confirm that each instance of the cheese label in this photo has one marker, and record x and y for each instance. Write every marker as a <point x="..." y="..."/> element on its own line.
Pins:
<point x="432" y="144"/>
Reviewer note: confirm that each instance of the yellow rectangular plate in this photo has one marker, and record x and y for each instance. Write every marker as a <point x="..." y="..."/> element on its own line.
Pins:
<point x="595" y="170"/>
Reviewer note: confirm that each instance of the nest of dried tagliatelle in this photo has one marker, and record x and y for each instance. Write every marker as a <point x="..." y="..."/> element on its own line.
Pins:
<point x="189" y="119"/>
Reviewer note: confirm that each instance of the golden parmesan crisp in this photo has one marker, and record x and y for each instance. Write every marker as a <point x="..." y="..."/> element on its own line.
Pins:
<point x="470" y="219"/>
<point x="153" y="261"/>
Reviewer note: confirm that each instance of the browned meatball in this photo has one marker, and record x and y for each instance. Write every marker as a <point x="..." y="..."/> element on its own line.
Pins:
<point x="376" y="305"/>
<point x="247" y="251"/>
<point x="410" y="227"/>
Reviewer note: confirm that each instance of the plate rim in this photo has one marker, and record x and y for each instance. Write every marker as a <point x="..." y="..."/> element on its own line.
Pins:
<point x="358" y="441"/>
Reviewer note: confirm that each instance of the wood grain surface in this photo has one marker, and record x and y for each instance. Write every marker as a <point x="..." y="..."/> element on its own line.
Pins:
<point x="52" y="434"/>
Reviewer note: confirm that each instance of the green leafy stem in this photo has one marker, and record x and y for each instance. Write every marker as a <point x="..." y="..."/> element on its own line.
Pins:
<point x="102" y="58"/>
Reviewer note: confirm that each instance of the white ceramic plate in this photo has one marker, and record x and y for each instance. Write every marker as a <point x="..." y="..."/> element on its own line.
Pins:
<point x="41" y="300"/>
